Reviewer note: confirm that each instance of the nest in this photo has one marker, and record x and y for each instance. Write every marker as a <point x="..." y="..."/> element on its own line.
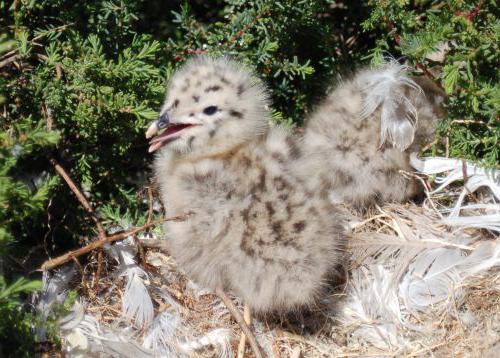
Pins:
<point x="423" y="280"/>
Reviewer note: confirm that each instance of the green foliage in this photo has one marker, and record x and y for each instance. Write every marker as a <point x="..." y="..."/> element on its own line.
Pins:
<point x="15" y="324"/>
<point x="468" y="69"/>
<point x="80" y="80"/>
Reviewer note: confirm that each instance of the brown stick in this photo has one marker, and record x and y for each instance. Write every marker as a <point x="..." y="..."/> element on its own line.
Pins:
<point x="62" y="172"/>
<point x="98" y="271"/>
<point x="241" y="322"/>
<point x="49" y="264"/>
<point x="248" y="319"/>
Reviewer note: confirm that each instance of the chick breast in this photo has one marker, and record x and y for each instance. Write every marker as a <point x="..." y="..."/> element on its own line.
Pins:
<point x="256" y="230"/>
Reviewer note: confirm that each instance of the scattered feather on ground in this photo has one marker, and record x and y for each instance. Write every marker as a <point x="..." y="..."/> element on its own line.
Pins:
<point x="423" y="280"/>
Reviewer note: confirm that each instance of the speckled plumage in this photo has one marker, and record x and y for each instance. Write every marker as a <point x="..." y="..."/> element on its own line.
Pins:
<point x="256" y="230"/>
<point x="345" y="147"/>
<point x="265" y="223"/>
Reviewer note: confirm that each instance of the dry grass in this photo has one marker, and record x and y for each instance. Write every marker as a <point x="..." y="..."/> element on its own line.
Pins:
<point x="467" y="326"/>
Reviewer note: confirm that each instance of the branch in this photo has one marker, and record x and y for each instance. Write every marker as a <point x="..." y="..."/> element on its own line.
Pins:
<point x="50" y="264"/>
<point x="81" y="198"/>
<point x="241" y="322"/>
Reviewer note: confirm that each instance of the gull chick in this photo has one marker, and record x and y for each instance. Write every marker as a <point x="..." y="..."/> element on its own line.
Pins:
<point x="256" y="229"/>
<point x="359" y="139"/>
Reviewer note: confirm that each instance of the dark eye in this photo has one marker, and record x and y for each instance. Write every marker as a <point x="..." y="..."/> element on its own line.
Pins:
<point x="210" y="110"/>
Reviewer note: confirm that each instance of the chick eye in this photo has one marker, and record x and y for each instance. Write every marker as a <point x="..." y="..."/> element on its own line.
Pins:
<point x="210" y="110"/>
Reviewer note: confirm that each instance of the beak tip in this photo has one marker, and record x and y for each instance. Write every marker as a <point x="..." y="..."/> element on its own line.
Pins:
<point x="152" y="130"/>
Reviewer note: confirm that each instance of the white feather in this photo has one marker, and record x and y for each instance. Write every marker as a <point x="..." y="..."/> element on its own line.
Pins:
<point x="399" y="281"/>
<point x="439" y="274"/>
<point x="83" y="335"/>
<point x="219" y="338"/>
<point x="385" y="88"/>
<point x="54" y="288"/>
<point x="136" y="304"/>
<point x="476" y="178"/>
<point x="161" y="335"/>
<point x="372" y="309"/>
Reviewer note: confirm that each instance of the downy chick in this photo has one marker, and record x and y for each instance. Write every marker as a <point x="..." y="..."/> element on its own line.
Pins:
<point x="256" y="229"/>
<point x="359" y="138"/>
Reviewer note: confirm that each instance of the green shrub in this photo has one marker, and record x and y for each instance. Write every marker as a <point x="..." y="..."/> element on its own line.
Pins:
<point x="468" y="71"/>
<point x="80" y="80"/>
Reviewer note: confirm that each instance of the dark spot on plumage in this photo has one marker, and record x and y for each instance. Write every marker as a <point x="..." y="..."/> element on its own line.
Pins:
<point x="196" y="98"/>
<point x="245" y="215"/>
<point x="267" y="260"/>
<point x="261" y="185"/>
<point x="388" y="172"/>
<point x="278" y="157"/>
<point x="270" y="209"/>
<point x="191" y="114"/>
<point x="324" y="186"/>
<point x="225" y="81"/>
<point x="283" y="197"/>
<point x="343" y="148"/>
<point x="246" y="248"/>
<point x="236" y="114"/>
<point x="214" y="88"/>
<point x="240" y="90"/>
<point x="176" y="103"/>
<point x="211" y="133"/>
<point x="343" y="178"/>
<point x="299" y="226"/>
<point x="246" y="162"/>
<point x="312" y="211"/>
<point x="365" y="159"/>
<point x="280" y="184"/>
<point x="362" y="125"/>
<point x="277" y="228"/>
<point x="258" y="283"/>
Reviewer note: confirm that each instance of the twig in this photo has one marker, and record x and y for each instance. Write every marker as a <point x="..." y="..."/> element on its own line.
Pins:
<point x="150" y="204"/>
<point x="248" y="319"/>
<point x="471" y="15"/>
<point x="471" y="121"/>
<point x="49" y="264"/>
<point x="81" y="198"/>
<point x="8" y="60"/>
<point x="62" y="172"/>
<point x="98" y="271"/>
<point x="153" y="244"/>
<point x="241" y="322"/>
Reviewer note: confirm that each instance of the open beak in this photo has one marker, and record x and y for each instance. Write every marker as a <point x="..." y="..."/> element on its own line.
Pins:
<point x="171" y="132"/>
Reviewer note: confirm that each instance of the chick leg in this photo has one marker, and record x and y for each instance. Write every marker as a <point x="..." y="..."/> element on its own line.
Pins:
<point x="248" y="319"/>
<point x="241" y="322"/>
